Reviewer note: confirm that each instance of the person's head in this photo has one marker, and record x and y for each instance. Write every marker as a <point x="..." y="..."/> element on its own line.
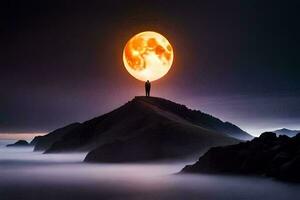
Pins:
<point x="148" y="81"/>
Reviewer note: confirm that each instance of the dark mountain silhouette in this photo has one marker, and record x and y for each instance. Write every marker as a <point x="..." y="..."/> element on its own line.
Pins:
<point x="145" y="123"/>
<point x="287" y="132"/>
<point x="19" y="143"/>
<point x="267" y="155"/>
<point x="42" y="143"/>
<point x="163" y="139"/>
<point x="34" y="141"/>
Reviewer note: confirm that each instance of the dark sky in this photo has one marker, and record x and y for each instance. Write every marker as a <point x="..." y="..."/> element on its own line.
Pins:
<point x="61" y="61"/>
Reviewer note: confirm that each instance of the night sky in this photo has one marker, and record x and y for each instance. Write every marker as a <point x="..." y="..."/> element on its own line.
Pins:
<point x="61" y="61"/>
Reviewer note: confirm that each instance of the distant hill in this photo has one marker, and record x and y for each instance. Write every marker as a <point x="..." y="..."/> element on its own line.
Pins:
<point x="287" y="132"/>
<point x="19" y="143"/>
<point x="145" y="128"/>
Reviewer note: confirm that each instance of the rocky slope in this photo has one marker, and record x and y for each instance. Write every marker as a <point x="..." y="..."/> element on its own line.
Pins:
<point x="267" y="155"/>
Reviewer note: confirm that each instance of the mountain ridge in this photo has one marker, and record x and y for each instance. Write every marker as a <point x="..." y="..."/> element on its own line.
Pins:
<point x="161" y="121"/>
<point x="287" y="132"/>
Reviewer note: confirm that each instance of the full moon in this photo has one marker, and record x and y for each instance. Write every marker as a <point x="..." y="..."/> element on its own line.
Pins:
<point x="148" y="56"/>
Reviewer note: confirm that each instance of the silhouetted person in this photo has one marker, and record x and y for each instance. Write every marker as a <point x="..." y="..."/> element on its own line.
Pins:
<point x="147" y="88"/>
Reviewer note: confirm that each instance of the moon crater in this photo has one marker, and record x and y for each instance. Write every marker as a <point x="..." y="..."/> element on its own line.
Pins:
<point x="148" y="56"/>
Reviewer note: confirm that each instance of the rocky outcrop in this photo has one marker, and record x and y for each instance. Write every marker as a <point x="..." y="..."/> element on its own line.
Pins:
<point x="266" y="155"/>
<point x="19" y="143"/>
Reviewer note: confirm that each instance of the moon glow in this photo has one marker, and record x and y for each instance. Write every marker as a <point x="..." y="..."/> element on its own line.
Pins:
<point x="148" y="56"/>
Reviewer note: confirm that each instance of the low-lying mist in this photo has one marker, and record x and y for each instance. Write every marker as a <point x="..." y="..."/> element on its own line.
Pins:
<point x="32" y="175"/>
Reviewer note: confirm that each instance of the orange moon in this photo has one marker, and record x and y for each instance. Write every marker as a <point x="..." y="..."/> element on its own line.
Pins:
<point x="148" y="56"/>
